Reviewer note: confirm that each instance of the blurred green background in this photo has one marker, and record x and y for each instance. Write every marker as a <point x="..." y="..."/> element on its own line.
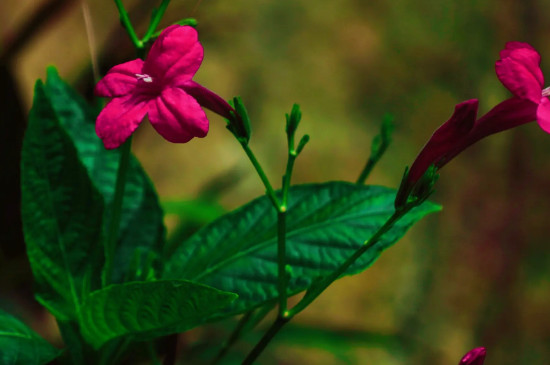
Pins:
<point x="478" y="273"/>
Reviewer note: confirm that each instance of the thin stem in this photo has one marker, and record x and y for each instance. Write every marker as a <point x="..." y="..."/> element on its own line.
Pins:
<point x="288" y="174"/>
<point x="371" y="162"/>
<point x="112" y="237"/>
<point x="157" y="16"/>
<point x="125" y="19"/>
<point x="379" y="145"/>
<point x="318" y="289"/>
<point x="281" y="208"/>
<point x="112" y="351"/>
<point x="269" y="189"/>
<point x="282" y="276"/>
<point x="264" y="341"/>
<point x="153" y="354"/>
<point x="246" y="323"/>
<point x="233" y="337"/>
<point x="259" y="315"/>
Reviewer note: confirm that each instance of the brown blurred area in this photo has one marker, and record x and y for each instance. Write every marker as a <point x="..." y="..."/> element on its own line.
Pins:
<point x="476" y="274"/>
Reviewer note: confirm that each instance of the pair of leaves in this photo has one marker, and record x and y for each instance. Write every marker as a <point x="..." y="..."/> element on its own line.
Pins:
<point x="326" y="224"/>
<point x="19" y="345"/>
<point x="67" y="189"/>
<point x="68" y="181"/>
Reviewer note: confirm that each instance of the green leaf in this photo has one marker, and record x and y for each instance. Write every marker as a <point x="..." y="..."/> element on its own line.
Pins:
<point x="19" y="345"/>
<point x="326" y="224"/>
<point x="61" y="212"/>
<point x="141" y="228"/>
<point x="145" y="310"/>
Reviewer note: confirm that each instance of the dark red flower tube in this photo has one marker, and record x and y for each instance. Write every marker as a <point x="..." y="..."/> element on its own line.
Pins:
<point x="518" y="70"/>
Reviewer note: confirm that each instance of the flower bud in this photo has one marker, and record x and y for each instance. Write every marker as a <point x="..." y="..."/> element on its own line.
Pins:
<point x="474" y="357"/>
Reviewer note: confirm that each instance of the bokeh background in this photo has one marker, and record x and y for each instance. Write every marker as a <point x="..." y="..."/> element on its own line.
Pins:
<point x="477" y="273"/>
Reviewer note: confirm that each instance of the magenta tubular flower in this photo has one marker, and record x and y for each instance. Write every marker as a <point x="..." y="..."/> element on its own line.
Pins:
<point x="474" y="357"/>
<point x="161" y="87"/>
<point x="445" y="139"/>
<point x="518" y="70"/>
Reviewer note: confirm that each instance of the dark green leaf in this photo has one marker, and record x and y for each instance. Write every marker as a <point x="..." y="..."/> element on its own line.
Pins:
<point x="141" y="229"/>
<point x="326" y="224"/>
<point x="145" y="310"/>
<point x="61" y="211"/>
<point x="19" y="345"/>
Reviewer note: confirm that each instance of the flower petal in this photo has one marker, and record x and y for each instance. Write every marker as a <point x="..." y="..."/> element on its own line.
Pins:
<point x="543" y="114"/>
<point x="119" y="119"/>
<point x="445" y="139"/>
<point x="511" y="46"/>
<point x="176" y="53"/>
<point x="510" y="113"/>
<point x="120" y="80"/>
<point x="177" y="116"/>
<point x="208" y="99"/>
<point x="519" y="71"/>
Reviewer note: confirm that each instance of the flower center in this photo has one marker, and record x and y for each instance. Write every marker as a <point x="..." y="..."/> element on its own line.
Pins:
<point x="546" y="92"/>
<point x="147" y="78"/>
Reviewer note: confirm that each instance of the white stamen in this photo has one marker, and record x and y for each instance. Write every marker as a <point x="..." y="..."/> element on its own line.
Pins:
<point x="144" y="77"/>
<point x="546" y="92"/>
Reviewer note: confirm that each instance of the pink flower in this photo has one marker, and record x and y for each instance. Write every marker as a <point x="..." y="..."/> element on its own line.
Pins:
<point x="474" y="357"/>
<point x="519" y="70"/>
<point x="161" y="87"/>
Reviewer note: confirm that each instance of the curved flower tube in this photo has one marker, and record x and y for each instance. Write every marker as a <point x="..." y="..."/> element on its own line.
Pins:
<point x="518" y="70"/>
<point x="162" y="88"/>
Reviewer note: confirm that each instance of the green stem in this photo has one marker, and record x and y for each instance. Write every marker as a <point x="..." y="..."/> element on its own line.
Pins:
<point x="112" y="351"/>
<point x="288" y="174"/>
<point x="371" y="162"/>
<point x="281" y="223"/>
<point x="267" y="337"/>
<point x="249" y="321"/>
<point x="269" y="189"/>
<point x="112" y="236"/>
<point x="318" y="289"/>
<point x="233" y="337"/>
<point x="282" y="276"/>
<point x="259" y="315"/>
<point x="125" y="20"/>
<point x="157" y="16"/>
<point x="152" y="353"/>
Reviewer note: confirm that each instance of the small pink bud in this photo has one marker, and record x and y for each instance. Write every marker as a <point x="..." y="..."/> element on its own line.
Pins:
<point x="474" y="357"/>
